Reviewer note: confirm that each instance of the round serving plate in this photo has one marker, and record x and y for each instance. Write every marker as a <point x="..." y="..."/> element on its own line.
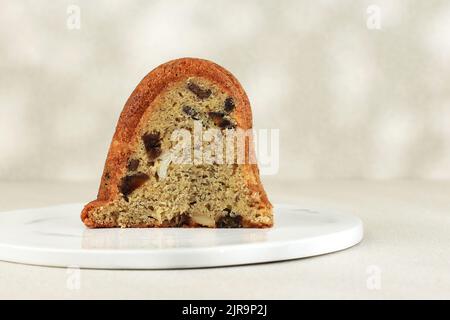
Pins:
<point x="55" y="236"/>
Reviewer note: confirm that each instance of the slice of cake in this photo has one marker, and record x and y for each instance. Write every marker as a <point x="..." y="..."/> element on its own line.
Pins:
<point x="182" y="155"/>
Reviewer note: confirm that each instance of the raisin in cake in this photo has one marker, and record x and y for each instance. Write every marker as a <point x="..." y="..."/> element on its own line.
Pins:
<point x="142" y="187"/>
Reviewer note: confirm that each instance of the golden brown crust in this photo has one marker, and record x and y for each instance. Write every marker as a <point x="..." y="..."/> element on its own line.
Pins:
<point x="137" y="104"/>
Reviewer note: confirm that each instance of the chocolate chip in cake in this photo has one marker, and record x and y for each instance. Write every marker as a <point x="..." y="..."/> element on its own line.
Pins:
<point x="151" y="139"/>
<point x="199" y="92"/>
<point x="180" y="220"/>
<point x="220" y="120"/>
<point x="152" y="143"/>
<point x="133" y="164"/>
<point x="229" y="220"/>
<point x="229" y="105"/>
<point x="226" y="124"/>
<point x="216" y="117"/>
<point x="191" y="112"/>
<point x="154" y="153"/>
<point x="131" y="182"/>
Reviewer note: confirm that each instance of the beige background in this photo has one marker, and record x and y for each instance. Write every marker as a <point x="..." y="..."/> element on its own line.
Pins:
<point x="350" y="102"/>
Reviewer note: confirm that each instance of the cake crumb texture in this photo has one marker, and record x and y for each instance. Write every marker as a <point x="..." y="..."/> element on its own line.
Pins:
<point x="142" y="186"/>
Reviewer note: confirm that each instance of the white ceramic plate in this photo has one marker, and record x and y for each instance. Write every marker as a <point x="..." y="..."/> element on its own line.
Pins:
<point x="55" y="236"/>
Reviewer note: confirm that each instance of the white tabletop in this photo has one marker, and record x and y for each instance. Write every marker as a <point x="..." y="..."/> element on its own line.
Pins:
<point x="405" y="252"/>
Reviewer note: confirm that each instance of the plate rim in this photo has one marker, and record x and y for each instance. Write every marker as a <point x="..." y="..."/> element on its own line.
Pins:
<point x="353" y="235"/>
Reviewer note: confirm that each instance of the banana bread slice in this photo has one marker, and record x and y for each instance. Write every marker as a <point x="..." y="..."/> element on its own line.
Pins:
<point x="145" y="185"/>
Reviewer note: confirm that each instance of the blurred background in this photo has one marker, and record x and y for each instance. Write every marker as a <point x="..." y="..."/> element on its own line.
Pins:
<point x="358" y="89"/>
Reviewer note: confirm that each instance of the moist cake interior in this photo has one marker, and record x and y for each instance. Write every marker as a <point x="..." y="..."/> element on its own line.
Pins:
<point x="156" y="191"/>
